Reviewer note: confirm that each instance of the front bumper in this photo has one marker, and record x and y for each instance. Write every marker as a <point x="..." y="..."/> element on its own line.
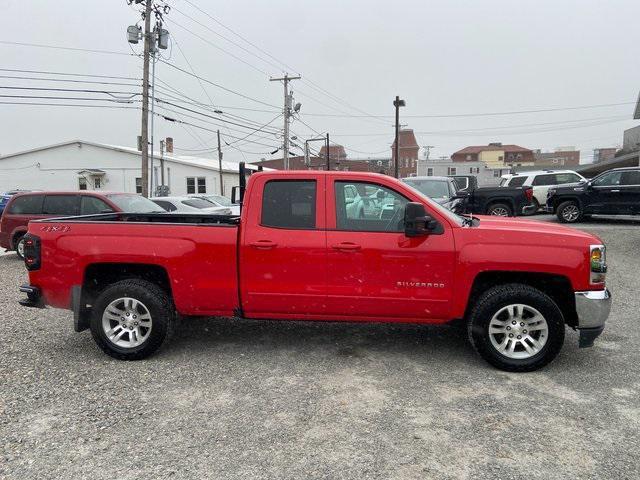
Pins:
<point x="592" y="307"/>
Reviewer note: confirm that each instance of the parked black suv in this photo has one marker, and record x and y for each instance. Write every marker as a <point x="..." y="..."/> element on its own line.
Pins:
<point x="614" y="192"/>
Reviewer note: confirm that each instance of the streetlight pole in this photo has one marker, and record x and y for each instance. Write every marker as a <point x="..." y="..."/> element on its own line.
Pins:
<point x="397" y="103"/>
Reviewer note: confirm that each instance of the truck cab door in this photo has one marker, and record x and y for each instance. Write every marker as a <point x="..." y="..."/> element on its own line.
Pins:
<point x="282" y="262"/>
<point x="374" y="270"/>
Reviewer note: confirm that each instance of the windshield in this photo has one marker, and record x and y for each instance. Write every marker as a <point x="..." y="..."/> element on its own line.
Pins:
<point x="219" y="199"/>
<point x="134" y="203"/>
<point x="457" y="219"/>
<point x="198" y="203"/>
<point x="431" y="188"/>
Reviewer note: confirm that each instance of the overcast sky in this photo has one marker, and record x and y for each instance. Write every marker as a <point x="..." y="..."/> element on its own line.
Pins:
<point x="443" y="57"/>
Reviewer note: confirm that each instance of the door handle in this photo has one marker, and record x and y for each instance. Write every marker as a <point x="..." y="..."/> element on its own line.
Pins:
<point x="615" y="191"/>
<point x="347" y="246"/>
<point x="263" y="244"/>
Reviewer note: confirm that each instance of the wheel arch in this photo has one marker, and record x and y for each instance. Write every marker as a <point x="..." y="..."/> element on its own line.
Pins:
<point x="574" y="198"/>
<point x="505" y="200"/>
<point x="16" y="234"/>
<point x="98" y="276"/>
<point x="558" y="287"/>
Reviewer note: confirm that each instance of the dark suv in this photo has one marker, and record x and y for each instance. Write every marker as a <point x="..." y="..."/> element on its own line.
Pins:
<point x="25" y="207"/>
<point x="614" y="192"/>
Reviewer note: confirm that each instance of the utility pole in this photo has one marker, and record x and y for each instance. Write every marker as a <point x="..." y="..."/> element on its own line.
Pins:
<point x="220" y="165"/>
<point x="162" y="162"/>
<point x="159" y="38"/>
<point x="145" y="99"/>
<point x="287" y="115"/>
<point x="397" y="103"/>
<point x="328" y="157"/>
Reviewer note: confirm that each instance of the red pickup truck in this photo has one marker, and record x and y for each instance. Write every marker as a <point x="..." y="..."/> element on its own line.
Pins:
<point x="302" y="249"/>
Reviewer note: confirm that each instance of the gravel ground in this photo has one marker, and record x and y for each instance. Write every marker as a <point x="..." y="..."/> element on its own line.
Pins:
<point x="248" y="399"/>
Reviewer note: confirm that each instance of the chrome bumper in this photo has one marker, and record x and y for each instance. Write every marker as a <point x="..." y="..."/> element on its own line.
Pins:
<point x="592" y="307"/>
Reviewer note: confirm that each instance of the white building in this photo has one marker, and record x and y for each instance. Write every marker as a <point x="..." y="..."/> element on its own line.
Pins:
<point x="81" y="165"/>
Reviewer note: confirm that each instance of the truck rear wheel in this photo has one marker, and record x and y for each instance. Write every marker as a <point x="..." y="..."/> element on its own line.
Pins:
<point x="500" y="210"/>
<point x="516" y="328"/>
<point x="131" y="319"/>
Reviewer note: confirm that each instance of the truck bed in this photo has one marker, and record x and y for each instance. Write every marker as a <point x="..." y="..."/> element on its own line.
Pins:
<point x="198" y="253"/>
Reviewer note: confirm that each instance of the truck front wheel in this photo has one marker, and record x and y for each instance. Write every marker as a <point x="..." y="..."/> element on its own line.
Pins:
<point x="131" y="319"/>
<point x="516" y="328"/>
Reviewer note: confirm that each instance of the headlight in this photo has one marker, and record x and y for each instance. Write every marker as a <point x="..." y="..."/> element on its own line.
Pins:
<point x="597" y="263"/>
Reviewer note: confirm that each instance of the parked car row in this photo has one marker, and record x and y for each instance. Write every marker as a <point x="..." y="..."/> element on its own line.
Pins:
<point x="497" y="201"/>
<point x="20" y="207"/>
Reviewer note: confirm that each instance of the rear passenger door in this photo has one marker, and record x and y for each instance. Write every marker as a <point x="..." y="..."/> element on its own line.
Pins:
<point x="283" y="268"/>
<point x="606" y="194"/>
<point x="93" y="205"/>
<point x="630" y="190"/>
<point x="61" y="205"/>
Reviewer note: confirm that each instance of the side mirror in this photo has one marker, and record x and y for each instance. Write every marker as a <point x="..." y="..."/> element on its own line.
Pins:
<point x="416" y="220"/>
<point x="237" y="194"/>
<point x="589" y="185"/>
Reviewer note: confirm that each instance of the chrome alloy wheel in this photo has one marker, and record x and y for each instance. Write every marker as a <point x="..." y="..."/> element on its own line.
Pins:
<point x="126" y="322"/>
<point x="518" y="331"/>
<point x="20" y="248"/>
<point x="570" y="213"/>
<point x="500" y="212"/>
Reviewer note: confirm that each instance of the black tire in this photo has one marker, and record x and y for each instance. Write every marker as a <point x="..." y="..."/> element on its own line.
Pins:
<point x="17" y="240"/>
<point x="497" y="209"/>
<point x="496" y="299"/>
<point x="157" y="302"/>
<point x="566" y="212"/>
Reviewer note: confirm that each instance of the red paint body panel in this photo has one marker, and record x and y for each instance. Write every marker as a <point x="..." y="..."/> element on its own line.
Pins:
<point x="297" y="274"/>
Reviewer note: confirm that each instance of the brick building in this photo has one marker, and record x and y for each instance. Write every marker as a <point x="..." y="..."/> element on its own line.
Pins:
<point x="408" y="153"/>
<point x="560" y="158"/>
<point x="495" y="155"/>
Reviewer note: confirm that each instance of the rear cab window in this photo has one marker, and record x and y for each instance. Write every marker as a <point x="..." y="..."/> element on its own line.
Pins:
<point x="289" y="204"/>
<point x="26" y="205"/>
<point x="517" y="181"/>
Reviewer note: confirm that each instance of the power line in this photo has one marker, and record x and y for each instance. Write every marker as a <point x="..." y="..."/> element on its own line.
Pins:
<point x="218" y="48"/>
<point x="77" y="90"/>
<point x="123" y="107"/>
<point x="67" y="80"/>
<point x="57" y="47"/>
<point x="218" y="85"/>
<point x="114" y="100"/>
<point x="48" y="72"/>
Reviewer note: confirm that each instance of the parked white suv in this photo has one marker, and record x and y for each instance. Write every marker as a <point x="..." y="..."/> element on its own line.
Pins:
<point x="541" y="181"/>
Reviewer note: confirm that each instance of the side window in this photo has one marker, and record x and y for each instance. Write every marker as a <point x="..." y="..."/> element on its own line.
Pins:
<point x="517" y="181"/>
<point x="631" y="177"/>
<point x="93" y="205"/>
<point x="289" y="204"/>
<point x="608" y="179"/>
<point x="60" y="205"/>
<point x="168" y="206"/>
<point x="544" y="180"/>
<point x="27" y="205"/>
<point x="375" y="209"/>
<point x="562" y="178"/>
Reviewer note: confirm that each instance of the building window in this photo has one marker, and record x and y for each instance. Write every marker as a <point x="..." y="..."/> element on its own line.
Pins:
<point x="138" y="185"/>
<point x="501" y="158"/>
<point x="430" y="172"/>
<point x="468" y="158"/>
<point x="201" y="183"/>
<point x="452" y="170"/>
<point x="496" y="173"/>
<point x="470" y="169"/>
<point x="97" y="183"/>
<point x="82" y="183"/>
